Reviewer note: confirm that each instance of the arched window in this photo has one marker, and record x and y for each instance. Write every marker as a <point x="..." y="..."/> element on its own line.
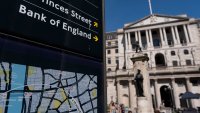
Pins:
<point x="173" y="53"/>
<point x="186" y="52"/>
<point x="166" y="96"/>
<point x="160" y="60"/>
<point x="109" y="69"/>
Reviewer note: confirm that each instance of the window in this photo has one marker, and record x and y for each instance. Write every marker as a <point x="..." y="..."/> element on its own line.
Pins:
<point x="194" y="82"/>
<point x="175" y="63"/>
<point x="167" y="31"/>
<point x="109" y="60"/>
<point x="170" y="43"/>
<point x="188" y="62"/>
<point x="142" y="34"/>
<point x="109" y="69"/>
<point x="180" y="83"/>
<point x="109" y="43"/>
<point x="117" y="63"/>
<point x="179" y="29"/>
<point x="183" y="42"/>
<point x="173" y="53"/>
<point x="117" y="60"/>
<point x="116" y="50"/>
<point x="186" y="52"/>
<point x="108" y="51"/>
<point x="154" y="32"/>
<point x="156" y="42"/>
<point x="116" y="42"/>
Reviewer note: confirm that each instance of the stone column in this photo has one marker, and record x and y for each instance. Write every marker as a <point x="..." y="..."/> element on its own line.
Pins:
<point x="165" y="36"/>
<point x="189" y="88"/>
<point x="129" y="40"/>
<point x="132" y="95"/>
<point x="118" y="91"/>
<point x="157" y="92"/>
<point x="177" y="35"/>
<point x="188" y="84"/>
<point x="186" y="33"/>
<point x="161" y="37"/>
<point x="140" y="40"/>
<point x="151" y="38"/>
<point x="189" y="34"/>
<point x="147" y="38"/>
<point x="173" y="35"/>
<point x="126" y="41"/>
<point x="175" y="95"/>
<point x="136" y="36"/>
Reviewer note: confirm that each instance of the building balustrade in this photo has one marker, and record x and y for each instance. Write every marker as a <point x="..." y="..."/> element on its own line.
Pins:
<point x="167" y="69"/>
<point x="161" y="69"/>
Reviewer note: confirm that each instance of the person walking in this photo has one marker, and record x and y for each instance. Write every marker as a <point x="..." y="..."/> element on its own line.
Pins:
<point x="112" y="108"/>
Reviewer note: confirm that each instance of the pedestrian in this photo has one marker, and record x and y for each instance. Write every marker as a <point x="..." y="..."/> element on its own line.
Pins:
<point x="112" y="108"/>
<point x="122" y="108"/>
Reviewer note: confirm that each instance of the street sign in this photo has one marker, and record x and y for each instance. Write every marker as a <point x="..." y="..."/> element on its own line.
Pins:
<point x="72" y="25"/>
<point x="40" y="80"/>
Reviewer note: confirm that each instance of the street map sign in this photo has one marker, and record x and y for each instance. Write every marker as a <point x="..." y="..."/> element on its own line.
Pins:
<point x="51" y="56"/>
<point x="39" y="80"/>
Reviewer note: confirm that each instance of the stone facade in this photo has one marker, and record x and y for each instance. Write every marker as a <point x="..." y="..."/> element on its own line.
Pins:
<point x="172" y="44"/>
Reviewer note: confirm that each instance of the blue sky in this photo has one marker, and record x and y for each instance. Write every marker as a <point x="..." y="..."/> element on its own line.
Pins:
<point x="119" y="12"/>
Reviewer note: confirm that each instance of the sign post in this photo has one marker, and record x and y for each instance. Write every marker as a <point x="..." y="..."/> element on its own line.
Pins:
<point x="56" y="46"/>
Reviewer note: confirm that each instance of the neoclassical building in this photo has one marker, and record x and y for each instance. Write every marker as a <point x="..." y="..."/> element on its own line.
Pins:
<point x="172" y="44"/>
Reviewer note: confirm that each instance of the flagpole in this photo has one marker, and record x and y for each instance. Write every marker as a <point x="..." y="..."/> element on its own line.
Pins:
<point x="150" y="7"/>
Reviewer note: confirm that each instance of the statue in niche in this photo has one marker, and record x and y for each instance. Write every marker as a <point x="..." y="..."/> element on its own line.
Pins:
<point x="138" y="48"/>
<point x="139" y="84"/>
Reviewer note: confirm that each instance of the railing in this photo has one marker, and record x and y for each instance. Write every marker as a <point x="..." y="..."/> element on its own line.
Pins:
<point x="164" y="69"/>
<point x="154" y="70"/>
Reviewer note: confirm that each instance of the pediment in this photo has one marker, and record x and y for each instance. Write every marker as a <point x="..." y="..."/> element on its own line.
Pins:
<point x="156" y="19"/>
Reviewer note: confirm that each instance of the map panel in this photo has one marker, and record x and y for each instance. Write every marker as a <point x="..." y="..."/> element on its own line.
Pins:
<point x="31" y="89"/>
